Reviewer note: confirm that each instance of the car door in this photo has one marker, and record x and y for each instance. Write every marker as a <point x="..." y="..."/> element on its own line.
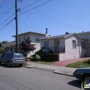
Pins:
<point x="3" y="58"/>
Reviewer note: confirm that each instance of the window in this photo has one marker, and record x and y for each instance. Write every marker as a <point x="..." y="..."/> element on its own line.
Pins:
<point x="37" y="38"/>
<point x="25" y="37"/>
<point x="46" y="44"/>
<point x="74" y="44"/>
<point x="83" y="45"/>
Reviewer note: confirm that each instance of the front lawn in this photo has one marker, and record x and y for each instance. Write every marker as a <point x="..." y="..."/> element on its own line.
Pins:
<point x="80" y="64"/>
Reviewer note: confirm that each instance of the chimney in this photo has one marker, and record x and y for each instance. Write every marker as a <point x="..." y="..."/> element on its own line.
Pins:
<point x="46" y="34"/>
<point x="46" y="30"/>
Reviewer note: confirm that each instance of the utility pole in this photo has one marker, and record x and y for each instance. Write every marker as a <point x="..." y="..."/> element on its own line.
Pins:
<point x="16" y="19"/>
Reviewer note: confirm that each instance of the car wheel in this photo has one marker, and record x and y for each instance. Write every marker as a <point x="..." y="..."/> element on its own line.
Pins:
<point x="8" y="64"/>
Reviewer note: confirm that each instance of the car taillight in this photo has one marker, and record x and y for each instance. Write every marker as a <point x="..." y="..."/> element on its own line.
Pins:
<point x="13" y="59"/>
<point x="24" y="60"/>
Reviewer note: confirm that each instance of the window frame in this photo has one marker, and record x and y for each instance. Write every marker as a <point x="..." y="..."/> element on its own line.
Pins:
<point x="74" y="44"/>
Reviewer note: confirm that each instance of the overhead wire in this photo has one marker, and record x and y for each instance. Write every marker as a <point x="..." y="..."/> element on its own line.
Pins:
<point x="6" y="24"/>
<point x="6" y="19"/>
<point x="30" y="20"/>
<point x="35" y="7"/>
<point x="60" y="21"/>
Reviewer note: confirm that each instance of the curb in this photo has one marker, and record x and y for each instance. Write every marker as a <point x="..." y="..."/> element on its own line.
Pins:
<point x="40" y="68"/>
<point x="51" y="70"/>
<point x="63" y="73"/>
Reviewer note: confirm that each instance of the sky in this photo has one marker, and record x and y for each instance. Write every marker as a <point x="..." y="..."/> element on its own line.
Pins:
<point x="59" y="16"/>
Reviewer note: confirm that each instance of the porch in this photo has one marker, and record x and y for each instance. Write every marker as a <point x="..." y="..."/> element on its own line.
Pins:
<point x="54" y="49"/>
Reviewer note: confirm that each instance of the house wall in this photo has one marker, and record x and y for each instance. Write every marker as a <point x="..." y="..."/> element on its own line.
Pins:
<point x="86" y="36"/>
<point x="83" y="52"/>
<point x="34" y="40"/>
<point x="70" y="52"/>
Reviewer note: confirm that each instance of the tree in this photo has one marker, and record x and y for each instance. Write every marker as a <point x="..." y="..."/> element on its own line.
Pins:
<point x="1" y="45"/>
<point x="26" y="45"/>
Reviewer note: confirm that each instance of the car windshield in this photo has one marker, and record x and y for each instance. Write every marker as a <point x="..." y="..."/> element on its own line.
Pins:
<point x="17" y="55"/>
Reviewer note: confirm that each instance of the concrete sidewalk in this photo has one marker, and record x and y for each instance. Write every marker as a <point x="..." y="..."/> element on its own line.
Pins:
<point x="55" y="69"/>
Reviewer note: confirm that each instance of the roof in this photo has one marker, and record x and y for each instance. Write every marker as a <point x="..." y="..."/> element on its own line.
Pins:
<point x="62" y="36"/>
<point x="84" y="32"/>
<point x="8" y="44"/>
<point x="29" y="33"/>
<point x="58" y="36"/>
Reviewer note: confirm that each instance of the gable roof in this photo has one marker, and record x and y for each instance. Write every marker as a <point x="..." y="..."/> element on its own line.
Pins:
<point x="8" y="44"/>
<point x="28" y="33"/>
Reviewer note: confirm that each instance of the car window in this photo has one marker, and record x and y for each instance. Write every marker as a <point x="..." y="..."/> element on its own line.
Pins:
<point x="18" y="56"/>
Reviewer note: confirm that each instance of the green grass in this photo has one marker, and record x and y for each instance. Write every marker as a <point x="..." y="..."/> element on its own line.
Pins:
<point x="80" y="64"/>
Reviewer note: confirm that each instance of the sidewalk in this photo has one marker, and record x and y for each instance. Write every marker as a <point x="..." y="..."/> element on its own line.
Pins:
<point x="54" y="69"/>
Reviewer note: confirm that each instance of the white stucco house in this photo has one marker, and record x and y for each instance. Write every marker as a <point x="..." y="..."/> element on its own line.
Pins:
<point x="34" y="36"/>
<point x="68" y="46"/>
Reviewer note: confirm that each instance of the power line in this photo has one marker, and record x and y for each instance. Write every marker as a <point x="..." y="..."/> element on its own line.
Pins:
<point x="35" y="7"/>
<point x="29" y="4"/>
<point x="6" y="19"/>
<point x="30" y="21"/>
<point x="7" y="3"/>
<point x="60" y="21"/>
<point x="6" y="24"/>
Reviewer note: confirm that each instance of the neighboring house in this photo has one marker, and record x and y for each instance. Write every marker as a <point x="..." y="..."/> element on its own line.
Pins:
<point x="9" y="45"/>
<point x="68" y="46"/>
<point x="34" y="36"/>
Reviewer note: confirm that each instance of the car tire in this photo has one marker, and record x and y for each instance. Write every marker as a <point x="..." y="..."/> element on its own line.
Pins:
<point x="86" y="77"/>
<point x="8" y="64"/>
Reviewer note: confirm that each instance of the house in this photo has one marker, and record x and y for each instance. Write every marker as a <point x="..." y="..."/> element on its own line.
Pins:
<point x="68" y="46"/>
<point x="9" y="45"/>
<point x="34" y="36"/>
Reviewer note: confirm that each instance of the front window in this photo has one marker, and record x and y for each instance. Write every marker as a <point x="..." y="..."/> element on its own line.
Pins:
<point x="83" y="45"/>
<point x="46" y="44"/>
<point x="37" y="38"/>
<point x="74" y="44"/>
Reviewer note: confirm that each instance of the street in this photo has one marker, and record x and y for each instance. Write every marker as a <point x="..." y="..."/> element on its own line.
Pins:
<point x="16" y="78"/>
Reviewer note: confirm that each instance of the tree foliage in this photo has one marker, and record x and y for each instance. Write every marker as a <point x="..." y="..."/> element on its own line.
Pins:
<point x="1" y="45"/>
<point x="26" y="45"/>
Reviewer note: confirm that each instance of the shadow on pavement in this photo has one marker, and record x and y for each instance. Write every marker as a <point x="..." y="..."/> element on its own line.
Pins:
<point x="75" y="83"/>
<point x="3" y="65"/>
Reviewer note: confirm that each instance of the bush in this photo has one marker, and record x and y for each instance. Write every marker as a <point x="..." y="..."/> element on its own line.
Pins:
<point x="49" y="57"/>
<point x="2" y="50"/>
<point x="45" y="56"/>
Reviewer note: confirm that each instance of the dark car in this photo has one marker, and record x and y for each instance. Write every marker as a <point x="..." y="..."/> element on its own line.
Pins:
<point x="82" y="73"/>
<point x="11" y="59"/>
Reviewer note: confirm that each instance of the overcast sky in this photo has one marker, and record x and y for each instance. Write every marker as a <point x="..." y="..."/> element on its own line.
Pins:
<point x="59" y="16"/>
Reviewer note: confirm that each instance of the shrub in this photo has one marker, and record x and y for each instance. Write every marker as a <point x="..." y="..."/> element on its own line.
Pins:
<point x="45" y="56"/>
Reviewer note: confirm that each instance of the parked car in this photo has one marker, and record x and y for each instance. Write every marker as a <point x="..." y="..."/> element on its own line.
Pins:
<point x="82" y="73"/>
<point x="11" y="59"/>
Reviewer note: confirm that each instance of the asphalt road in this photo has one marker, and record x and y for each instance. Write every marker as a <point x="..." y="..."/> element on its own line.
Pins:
<point x="16" y="78"/>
